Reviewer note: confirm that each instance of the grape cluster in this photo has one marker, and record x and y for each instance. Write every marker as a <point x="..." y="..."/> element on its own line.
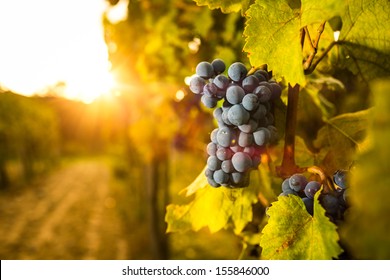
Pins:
<point x="334" y="202"/>
<point x="245" y="121"/>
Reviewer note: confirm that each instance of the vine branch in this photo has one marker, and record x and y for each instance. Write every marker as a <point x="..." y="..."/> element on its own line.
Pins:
<point x="288" y="165"/>
<point x="313" y="45"/>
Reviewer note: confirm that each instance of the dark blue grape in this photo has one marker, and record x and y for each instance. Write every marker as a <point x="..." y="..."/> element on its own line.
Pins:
<point x="340" y="178"/>
<point x="209" y="102"/>
<point x="210" y="90"/>
<point x="197" y="84"/>
<point x="211" y="149"/>
<point x="205" y="70"/>
<point x="245" y="139"/>
<point x="213" y="136"/>
<point x="311" y="188"/>
<point x="263" y="93"/>
<point x="276" y="91"/>
<point x="250" y="83"/>
<point x="250" y="102"/>
<point x="220" y="177"/>
<point x="213" y="163"/>
<point x="224" y="153"/>
<point x="234" y="94"/>
<point x="237" y="71"/>
<point x="241" y="162"/>
<point x="221" y="82"/>
<point x="286" y="185"/>
<point x="262" y="75"/>
<point x="259" y="113"/>
<point x="330" y="204"/>
<point x="237" y="115"/>
<point x="225" y="136"/>
<point x="309" y="204"/>
<point x="218" y="66"/>
<point x="261" y="136"/>
<point x="298" y="182"/>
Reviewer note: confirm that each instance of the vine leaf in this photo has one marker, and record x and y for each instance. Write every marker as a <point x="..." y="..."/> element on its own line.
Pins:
<point x="226" y="6"/>
<point x="340" y="137"/>
<point x="365" y="47"/>
<point x="273" y="33"/>
<point x="292" y="233"/>
<point x="212" y="208"/>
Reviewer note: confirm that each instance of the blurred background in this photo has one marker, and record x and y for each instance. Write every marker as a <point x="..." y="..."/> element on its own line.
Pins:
<point x="98" y="131"/>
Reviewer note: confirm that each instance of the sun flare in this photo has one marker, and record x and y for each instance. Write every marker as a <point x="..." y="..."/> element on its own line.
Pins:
<point x="46" y="42"/>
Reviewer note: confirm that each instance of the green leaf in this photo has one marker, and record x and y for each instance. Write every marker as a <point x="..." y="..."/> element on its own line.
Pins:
<point x="292" y="233"/>
<point x="226" y="6"/>
<point x="367" y="227"/>
<point x="273" y="34"/>
<point x="340" y="137"/>
<point x="212" y="208"/>
<point x="365" y="43"/>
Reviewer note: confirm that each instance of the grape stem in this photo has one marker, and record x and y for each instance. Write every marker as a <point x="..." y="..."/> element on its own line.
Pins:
<point x="288" y="165"/>
<point x="325" y="180"/>
<point x="313" y="45"/>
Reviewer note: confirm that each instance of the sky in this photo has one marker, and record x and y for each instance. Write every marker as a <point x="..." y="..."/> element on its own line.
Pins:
<point x="43" y="42"/>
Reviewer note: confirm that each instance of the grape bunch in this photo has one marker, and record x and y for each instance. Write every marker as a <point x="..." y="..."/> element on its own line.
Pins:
<point x="334" y="202"/>
<point x="244" y="117"/>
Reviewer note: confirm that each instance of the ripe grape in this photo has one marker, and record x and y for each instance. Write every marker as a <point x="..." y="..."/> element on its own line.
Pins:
<point x="298" y="182"/>
<point x="237" y="71"/>
<point x="205" y="70"/>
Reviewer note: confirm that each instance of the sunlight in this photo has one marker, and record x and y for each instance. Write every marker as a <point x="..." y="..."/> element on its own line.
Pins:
<point x="46" y="41"/>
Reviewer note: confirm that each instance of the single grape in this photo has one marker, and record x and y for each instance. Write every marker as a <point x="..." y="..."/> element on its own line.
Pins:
<point x="262" y="75"/>
<point x="223" y="153"/>
<point x="241" y="162"/>
<point x="218" y="66"/>
<point x="220" y="177"/>
<point x="211" y="149"/>
<point x="286" y="185"/>
<point x="221" y="82"/>
<point x="237" y="71"/>
<point x="217" y="113"/>
<point x="309" y="204"/>
<point x="210" y="90"/>
<point x="237" y="115"/>
<point x="213" y="163"/>
<point x="205" y="70"/>
<point x="234" y="94"/>
<point x="276" y="91"/>
<point x="311" y="188"/>
<point x="298" y="182"/>
<point x="261" y="136"/>
<point x="250" y="83"/>
<point x="209" y="102"/>
<point x="330" y="204"/>
<point x="197" y="84"/>
<point x="263" y="93"/>
<point x="250" y="102"/>
<point x="213" y="135"/>
<point x="225" y="136"/>
<point x="340" y="178"/>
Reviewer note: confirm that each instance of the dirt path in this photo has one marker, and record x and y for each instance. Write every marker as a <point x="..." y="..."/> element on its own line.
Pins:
<point x="70" y="215"/>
